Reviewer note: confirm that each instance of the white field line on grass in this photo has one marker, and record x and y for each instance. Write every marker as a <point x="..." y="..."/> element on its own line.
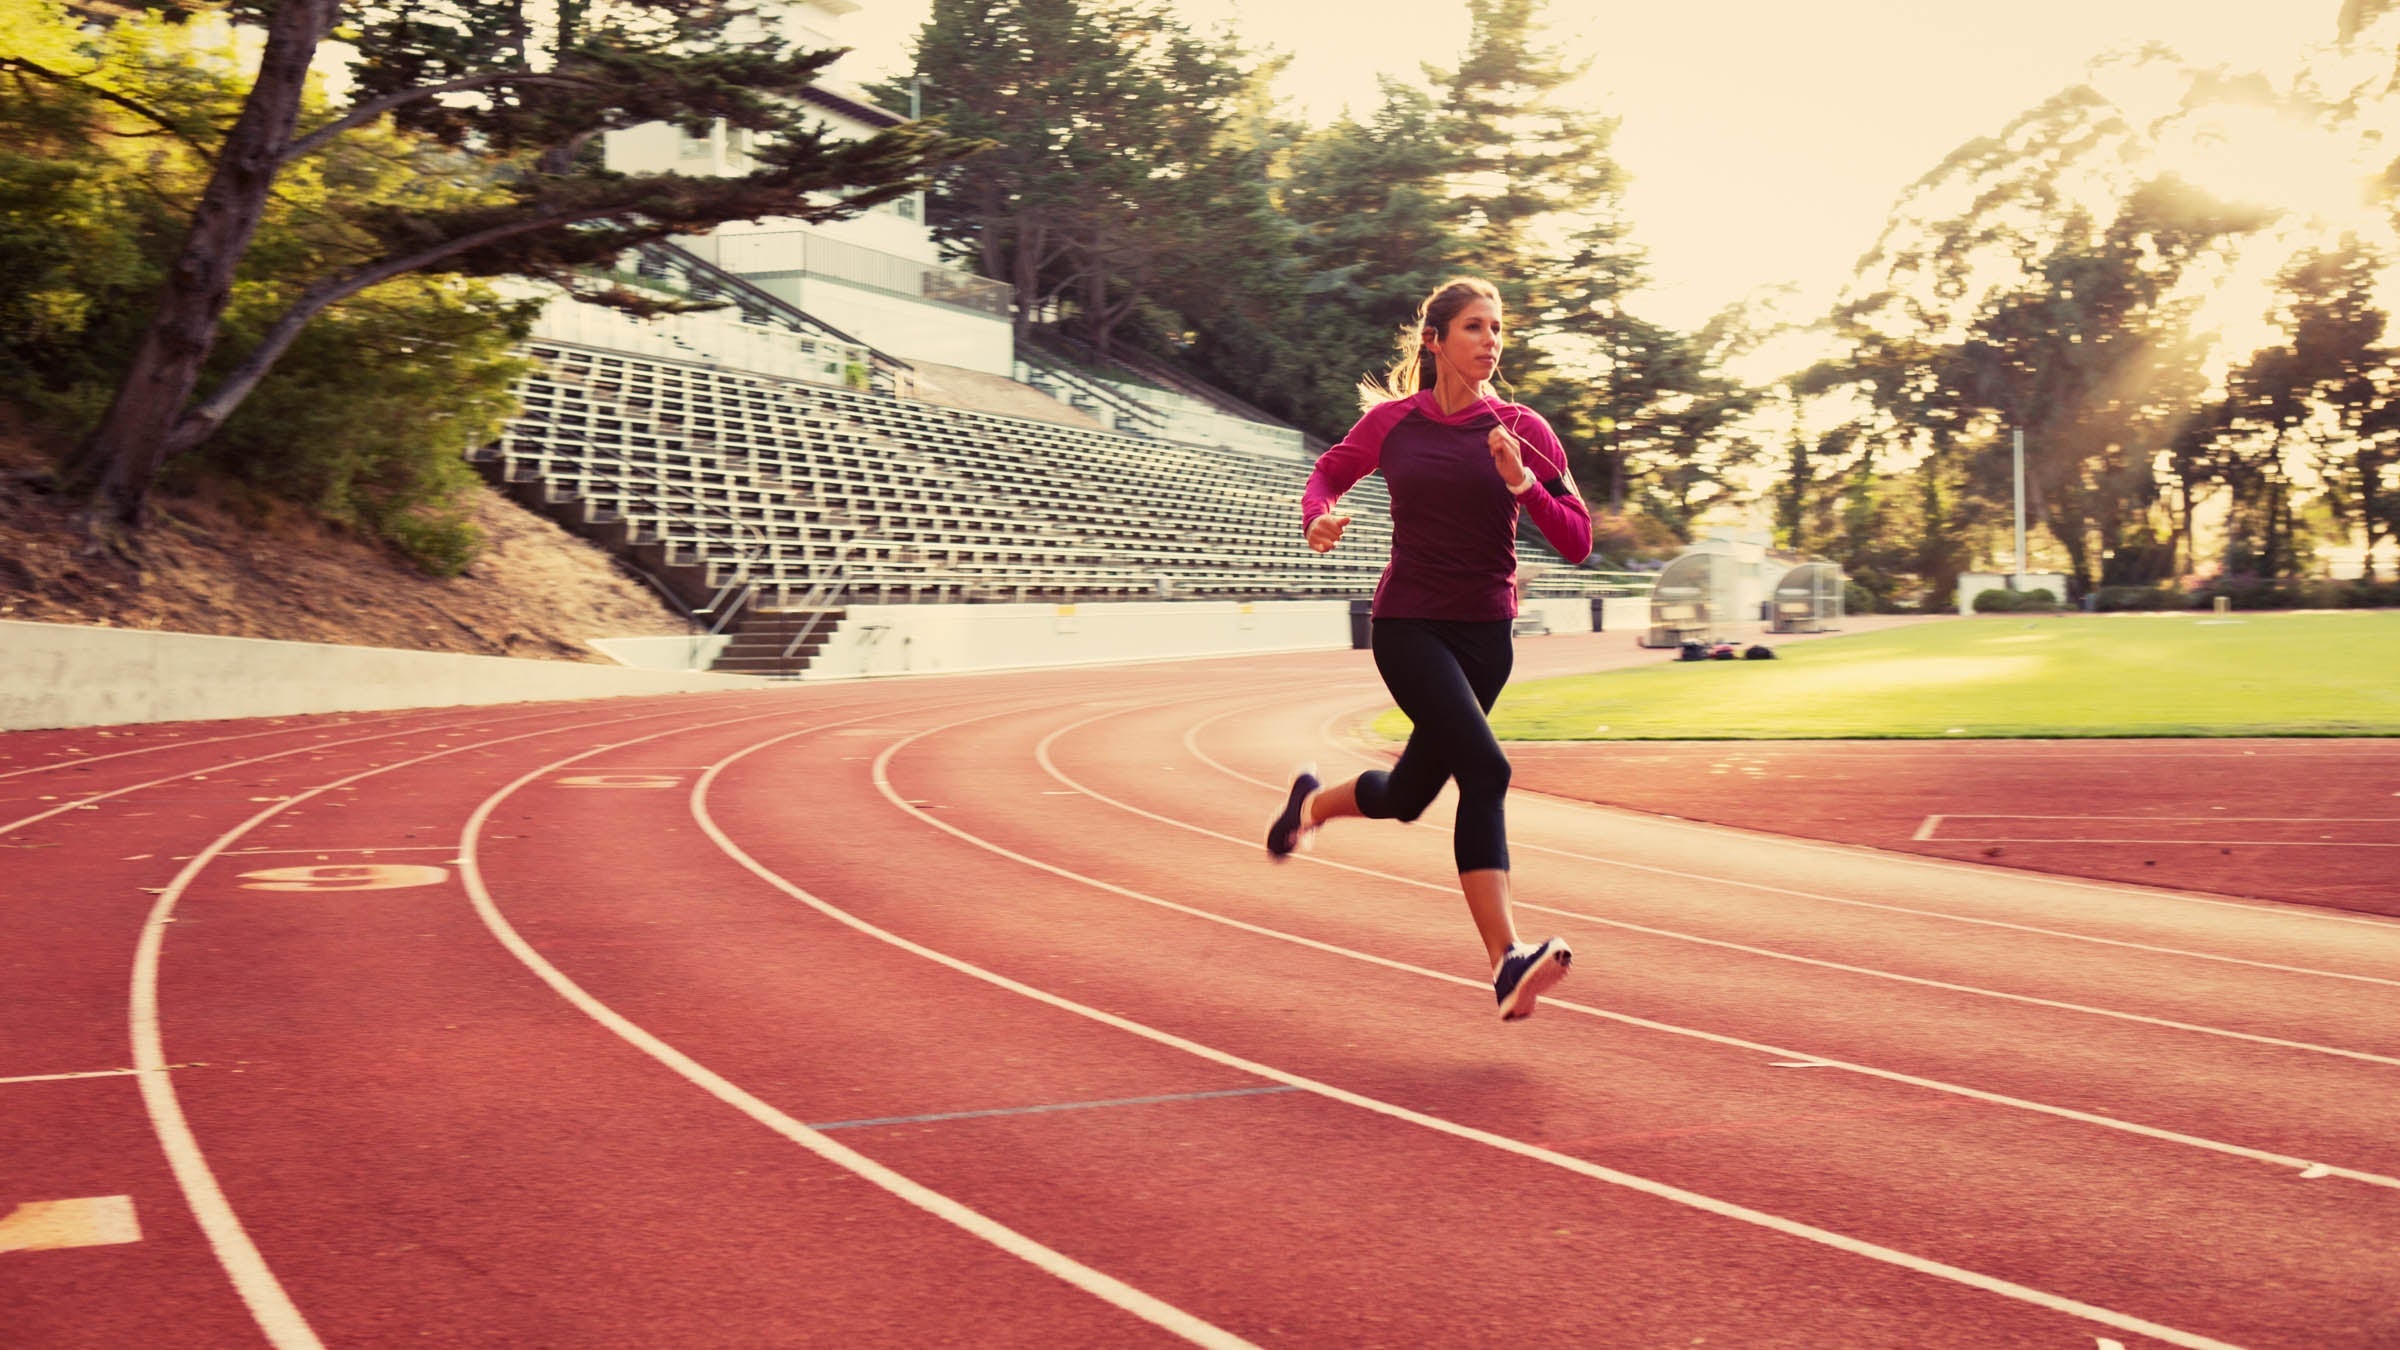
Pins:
<point x="1773" y="1051"/>
<point x="1101" y="1286"/>
<point x="1566" y="1162"/>
<point x="1192" y="744"/>
<point x="278" y="1318"/>
<point x="1352" y="749"/>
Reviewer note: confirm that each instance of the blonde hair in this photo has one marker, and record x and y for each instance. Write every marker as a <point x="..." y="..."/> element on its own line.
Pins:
<point x="1415" y="369"/>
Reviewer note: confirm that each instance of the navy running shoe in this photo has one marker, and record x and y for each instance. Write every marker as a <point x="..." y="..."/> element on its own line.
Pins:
<point x="1526" y="973"/>
<point x="1292" y="827"/>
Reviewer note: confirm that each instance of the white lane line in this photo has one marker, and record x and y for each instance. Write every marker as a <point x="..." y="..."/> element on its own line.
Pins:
<point x="2160" y="843"/>
<point x="80" y="760"/>
<point x="1926" y="831"/>
<point x="66" y="1077"/>
<point x="2030" y="1000"/>
<point x="1767" y="888"/>
<point x="363" y="848"/>
<point x="1042" y="755"/>
<point x="1104" y="1287"/>
<point x="2278" y="909"/>
<point x="82" y="802"/>
<point x="2193" y="820"/>
<point x="272" y="1308"/>
<point x="1660" y="1190"/>
<point x="1911" y="910"/>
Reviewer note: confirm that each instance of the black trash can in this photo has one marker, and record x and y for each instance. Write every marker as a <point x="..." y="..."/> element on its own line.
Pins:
<point x="1599" y="615"/>
<point x="1362" y="625"/>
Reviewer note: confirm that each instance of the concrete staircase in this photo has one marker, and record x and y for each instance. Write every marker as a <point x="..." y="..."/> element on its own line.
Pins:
<point x="761" y="635"/>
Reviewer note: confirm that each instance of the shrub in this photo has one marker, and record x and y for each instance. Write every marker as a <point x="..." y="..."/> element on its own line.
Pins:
<point x="1995" y="601"/>
<point x="441" y="541"/>
<point x="2039" y="598"/>
<point x="2369" y="595"/>
<point x="1857" y="599"/>
<point x="2246" y="592"/>
<point x="2120" y="599"/>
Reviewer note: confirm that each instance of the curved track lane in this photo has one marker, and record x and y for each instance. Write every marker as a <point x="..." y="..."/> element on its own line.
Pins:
<point x="969" y="1010"/>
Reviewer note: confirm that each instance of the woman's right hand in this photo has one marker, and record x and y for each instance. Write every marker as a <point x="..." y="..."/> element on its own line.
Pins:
<point x="1326" y="531"/>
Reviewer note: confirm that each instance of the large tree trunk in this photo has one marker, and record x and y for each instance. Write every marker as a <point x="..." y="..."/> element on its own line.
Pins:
<point x="1026" y="274"/>
<point x="2184" y="561"/>
<point x="124" y="454"/>
<point x="2369" y="510"/>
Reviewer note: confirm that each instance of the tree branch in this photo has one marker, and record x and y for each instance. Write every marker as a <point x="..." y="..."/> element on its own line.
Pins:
<point x="374" y="108"/>
<point x="204" y="417"/>
<point x="125" y="101"/>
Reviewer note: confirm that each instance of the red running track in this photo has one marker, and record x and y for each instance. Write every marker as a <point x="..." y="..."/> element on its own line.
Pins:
<point x="968" y="1010"/>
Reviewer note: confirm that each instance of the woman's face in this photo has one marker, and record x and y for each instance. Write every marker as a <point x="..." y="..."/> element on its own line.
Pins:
<point x="1472" y="346"/>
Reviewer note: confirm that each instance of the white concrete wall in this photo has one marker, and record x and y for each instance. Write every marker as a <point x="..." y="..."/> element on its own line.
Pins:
<point x="1190" y="420"/>
<point x="695" y="652"/>
<point x="1562" y="615"/>
<point x="917" y="639"/>
<point x="1623" y="613"/>
<point x="1973" y="584"/>
<point x="64" y="675"/>
<point x="912" y="330"/>
<point x="707" y="336"/>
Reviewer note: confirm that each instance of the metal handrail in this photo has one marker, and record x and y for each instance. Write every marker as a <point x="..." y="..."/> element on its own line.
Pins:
<point x="1050" y="365"/>
<point x="827" y="584"/>
<point x="901" y="372"/>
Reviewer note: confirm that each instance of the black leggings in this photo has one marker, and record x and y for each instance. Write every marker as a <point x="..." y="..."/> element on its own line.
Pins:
<point x="1445" y="675"/>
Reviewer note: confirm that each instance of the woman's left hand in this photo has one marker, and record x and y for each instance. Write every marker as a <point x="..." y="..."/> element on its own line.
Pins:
<point x="1508" y="456"/>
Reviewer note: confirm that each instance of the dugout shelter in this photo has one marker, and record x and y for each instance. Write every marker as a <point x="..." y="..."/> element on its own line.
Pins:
<point x="1807" y="599"/>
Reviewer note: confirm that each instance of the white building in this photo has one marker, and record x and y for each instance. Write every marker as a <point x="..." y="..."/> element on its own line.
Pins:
<point x="877" y="276"/>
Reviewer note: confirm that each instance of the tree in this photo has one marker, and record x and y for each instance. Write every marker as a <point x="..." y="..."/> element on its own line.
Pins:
<point x="2033" y="281"/>
<point x="515" y="93"/>
<point x="2326" y="392"/>
<point x="2337" y="330"/>
<point x="1020" y="75"/>
<point x="1526" y="159"/>
<point x="363" y="419"/>
<point x="1374" y="233"/>
<point x="1106" y="119"/>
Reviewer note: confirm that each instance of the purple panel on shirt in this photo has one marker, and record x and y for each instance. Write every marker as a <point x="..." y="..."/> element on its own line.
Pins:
<point x="1454" y="524"/>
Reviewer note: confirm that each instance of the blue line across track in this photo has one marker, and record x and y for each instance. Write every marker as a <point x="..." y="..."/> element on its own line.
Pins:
<point x="1052" y="1106"/>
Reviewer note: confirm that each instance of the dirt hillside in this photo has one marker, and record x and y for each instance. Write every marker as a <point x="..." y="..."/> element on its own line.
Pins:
<point x="211" y="565"/>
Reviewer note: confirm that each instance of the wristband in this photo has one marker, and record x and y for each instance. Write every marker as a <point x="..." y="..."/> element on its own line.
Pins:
<point x="1524" y="483"/>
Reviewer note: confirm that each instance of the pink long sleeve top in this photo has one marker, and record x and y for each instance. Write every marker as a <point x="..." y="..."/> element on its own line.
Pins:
<point x="1454" y="522"/>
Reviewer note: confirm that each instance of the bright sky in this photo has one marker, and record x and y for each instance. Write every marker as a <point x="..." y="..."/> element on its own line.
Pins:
<point x="1766" y="138"/>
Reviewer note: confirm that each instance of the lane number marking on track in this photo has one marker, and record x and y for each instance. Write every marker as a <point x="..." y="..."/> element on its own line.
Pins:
<point x="50" y="1225"/>
<point x="621" y="780"/>
<point x="345" y="877"/>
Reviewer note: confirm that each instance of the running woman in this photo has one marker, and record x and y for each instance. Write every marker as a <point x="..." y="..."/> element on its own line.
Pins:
<point x="1460" y="466"/>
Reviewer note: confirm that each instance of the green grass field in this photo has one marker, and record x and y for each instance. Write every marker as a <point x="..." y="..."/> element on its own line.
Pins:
<point x="2248" y="674"/>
